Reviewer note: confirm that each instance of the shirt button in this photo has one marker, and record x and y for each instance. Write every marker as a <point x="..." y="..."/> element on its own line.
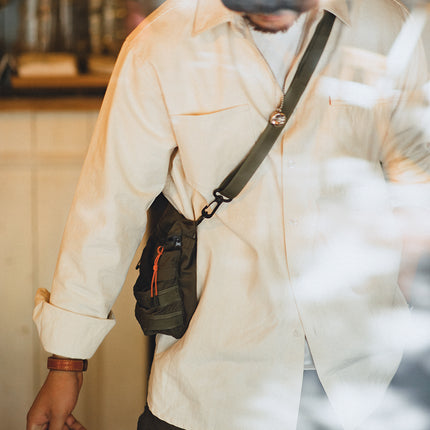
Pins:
<point x="296" y="333"/>
<point x="293" y="221"/>
<point x="291" y="164"/>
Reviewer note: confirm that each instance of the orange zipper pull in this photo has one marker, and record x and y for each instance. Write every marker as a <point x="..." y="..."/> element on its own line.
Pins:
<point x="154" y="287"/>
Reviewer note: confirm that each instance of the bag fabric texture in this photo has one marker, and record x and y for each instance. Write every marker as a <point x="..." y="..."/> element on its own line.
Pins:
<point x="165" y="290"/>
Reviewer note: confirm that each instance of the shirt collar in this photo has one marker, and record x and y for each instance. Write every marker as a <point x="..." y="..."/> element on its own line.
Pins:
<point x="210" y="13"/>
<point x="338" y="8"/>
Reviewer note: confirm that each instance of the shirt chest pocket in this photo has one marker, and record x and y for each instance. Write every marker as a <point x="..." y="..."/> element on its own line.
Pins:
<point x="212" y="144"/>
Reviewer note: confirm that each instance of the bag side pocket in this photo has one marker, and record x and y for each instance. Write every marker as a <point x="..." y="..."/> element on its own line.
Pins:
<point x="165" y="289"/>
<point x="159" y="306"/>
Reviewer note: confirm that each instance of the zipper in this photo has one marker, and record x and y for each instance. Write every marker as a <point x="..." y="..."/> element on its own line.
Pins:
<point x="172" y="243"/>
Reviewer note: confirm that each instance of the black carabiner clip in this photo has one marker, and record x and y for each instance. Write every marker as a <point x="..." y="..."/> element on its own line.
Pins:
<point x="209" y="210"/>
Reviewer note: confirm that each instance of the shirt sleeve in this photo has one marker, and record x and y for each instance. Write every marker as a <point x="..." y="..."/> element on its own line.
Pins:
<point x="125" y="169"/>
<point x="406" y="150"/>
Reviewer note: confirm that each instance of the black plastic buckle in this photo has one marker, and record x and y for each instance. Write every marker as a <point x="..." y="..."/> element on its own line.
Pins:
<point x="209" y="210"/>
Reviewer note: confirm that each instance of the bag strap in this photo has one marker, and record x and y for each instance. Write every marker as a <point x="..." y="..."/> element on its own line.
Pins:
<point x="233" y="184"/>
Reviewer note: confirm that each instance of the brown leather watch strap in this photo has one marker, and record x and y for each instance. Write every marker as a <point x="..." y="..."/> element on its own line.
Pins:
<point x="67" y="364"/>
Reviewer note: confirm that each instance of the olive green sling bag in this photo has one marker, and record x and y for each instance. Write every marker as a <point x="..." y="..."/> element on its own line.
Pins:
<point x="165" y="290"/>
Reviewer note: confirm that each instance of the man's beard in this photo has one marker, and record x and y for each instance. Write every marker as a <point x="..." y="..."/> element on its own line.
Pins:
<point x="257" y="27"/>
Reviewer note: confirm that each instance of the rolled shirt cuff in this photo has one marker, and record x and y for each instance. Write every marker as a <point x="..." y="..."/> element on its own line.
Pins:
<point x="68" y="333"/>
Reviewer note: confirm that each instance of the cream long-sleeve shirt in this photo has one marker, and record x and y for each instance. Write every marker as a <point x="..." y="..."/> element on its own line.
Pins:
<point x="280" y="50"/>
<point x="309" y="248"/>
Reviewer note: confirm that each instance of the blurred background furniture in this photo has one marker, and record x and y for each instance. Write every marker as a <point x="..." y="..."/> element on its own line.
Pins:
<point x="66" y="50"/>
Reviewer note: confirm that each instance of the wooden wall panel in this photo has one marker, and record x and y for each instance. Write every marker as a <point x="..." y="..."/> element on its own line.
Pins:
<point x="62" y="133"/>
<point x="16" y="262"/>
<point x="15" y="134"/>
<point x="41" y="154"/>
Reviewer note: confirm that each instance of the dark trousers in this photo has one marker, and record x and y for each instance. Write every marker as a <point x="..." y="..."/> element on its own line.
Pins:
<point x="147" y="421"/>
<point x="410" y="382"/>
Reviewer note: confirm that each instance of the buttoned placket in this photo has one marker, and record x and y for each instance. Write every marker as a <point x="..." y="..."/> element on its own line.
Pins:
<point x="291" y="223"/>
<point x="291" y="220"/>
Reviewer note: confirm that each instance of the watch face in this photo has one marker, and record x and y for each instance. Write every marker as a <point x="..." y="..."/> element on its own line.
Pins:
<point x="269" y="6"/>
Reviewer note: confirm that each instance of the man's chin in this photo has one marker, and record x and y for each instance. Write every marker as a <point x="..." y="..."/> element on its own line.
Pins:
<point x="272" y="23"/>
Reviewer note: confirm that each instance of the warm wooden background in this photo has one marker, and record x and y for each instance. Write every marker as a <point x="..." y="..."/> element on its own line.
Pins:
<point x="42" y="146"/>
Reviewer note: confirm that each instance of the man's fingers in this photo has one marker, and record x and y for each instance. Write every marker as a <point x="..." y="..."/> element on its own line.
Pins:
<point x="73" y="424"/>
<point x="37" y="422"/>
<point x="37" y="427"/>
<point x="57" y="422"/>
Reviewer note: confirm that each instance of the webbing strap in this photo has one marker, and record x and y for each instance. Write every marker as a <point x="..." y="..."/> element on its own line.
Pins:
<point x="239" y="177"/>
<point x="155" y="323"/>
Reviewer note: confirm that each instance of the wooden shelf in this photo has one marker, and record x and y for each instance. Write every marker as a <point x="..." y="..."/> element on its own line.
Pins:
<point x="81" y="92"/>
<point x="61" y="82"/>
<point x="50" y="103"/>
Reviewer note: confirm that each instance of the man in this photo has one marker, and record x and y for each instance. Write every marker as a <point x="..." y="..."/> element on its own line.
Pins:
<point x="305" y="258"/>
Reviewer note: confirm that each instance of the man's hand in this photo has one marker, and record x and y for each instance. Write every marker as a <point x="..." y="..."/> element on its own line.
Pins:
<point x="55" y="402"/>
